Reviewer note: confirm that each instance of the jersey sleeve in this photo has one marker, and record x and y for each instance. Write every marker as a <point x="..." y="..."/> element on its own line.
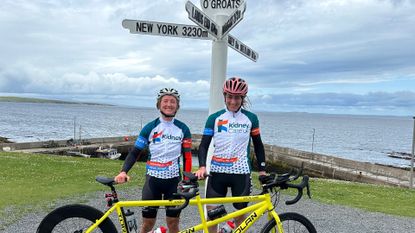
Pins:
<point x="142" y="139"/>
<point x="187" y="149"/>
<point x="255" y="125"/>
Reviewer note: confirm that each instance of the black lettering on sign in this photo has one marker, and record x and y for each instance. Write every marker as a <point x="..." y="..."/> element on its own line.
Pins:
<point x="205" y="4"/>
<point x="206" y="23"/>
<point x="231" y="21"/>
<point x="197" y="15"/>
<point x="167" y="29"/>
<point x="144" y="27"/>
<point x="222" y="4"/>
<point x="231" y="41"/>
<point x="213" y="29"/>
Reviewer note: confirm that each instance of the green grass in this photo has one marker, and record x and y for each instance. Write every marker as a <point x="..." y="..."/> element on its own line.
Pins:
<point x="374" y="198"/>
<point x="30" y="181"/>
<point x="33" y="180"/>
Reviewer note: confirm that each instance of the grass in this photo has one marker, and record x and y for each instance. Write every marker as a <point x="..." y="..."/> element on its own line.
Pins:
<point x="374" y="198"/>
<point x="29" y="180"/>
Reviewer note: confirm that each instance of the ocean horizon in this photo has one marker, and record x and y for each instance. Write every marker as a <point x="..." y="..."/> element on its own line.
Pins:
<point x="367" y="138"/>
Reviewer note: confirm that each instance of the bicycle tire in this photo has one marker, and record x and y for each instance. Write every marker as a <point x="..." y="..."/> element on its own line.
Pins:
<point x="74" y="218"/>
<point x="291" y="223"/>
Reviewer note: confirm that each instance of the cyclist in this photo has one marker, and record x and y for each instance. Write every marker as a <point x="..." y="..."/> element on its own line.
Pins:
<point x="231" y="130"/>
<point x="166" y="138"/>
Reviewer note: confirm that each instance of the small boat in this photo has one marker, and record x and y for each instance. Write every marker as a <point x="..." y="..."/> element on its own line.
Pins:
<point x="109" y="153"/>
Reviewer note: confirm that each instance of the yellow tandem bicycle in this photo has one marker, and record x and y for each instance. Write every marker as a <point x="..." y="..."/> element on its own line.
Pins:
<point x="79" y="218"/>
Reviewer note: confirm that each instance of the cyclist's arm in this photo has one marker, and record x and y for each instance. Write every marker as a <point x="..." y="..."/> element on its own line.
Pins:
<point x="259" y="151"/>
<point x="203" y="149"/>
<point x="130" y="160"/>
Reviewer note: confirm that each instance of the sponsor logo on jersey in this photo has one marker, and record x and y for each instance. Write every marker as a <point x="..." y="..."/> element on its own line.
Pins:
<point x="221" y="125"/>
<point x="238" y="127"/>
<point x="171" y="137"/>
<point x="224" y="162"/>
<point x="157" y="137"/>
<point x="152" y="165"/>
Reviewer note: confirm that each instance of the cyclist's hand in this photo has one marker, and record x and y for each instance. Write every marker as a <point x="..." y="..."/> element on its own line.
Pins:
<point x="121" y="178"/>
<point x="265" y="179"/>
<point x="201" y="173"/>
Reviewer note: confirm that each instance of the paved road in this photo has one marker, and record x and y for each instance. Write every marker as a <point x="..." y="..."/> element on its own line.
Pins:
<point x="326" y="218"/>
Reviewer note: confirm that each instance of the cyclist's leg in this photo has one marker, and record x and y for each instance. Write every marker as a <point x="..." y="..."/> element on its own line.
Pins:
<point x="172" y="216"/>
<point x="216" y="187"/>
<point x="241" y="186"/>
<point x="150" y="192"/>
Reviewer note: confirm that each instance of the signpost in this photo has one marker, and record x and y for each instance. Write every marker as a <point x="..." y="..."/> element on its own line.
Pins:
<point x="165" y="29"/>
<point x="215" y="22"/>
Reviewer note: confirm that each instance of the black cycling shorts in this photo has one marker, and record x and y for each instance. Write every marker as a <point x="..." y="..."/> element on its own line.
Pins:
<point x="159" y="189"/>
<point x="240" y="185"/>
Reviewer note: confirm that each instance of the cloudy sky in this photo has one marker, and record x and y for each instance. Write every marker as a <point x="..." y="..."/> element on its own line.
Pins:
<point x="323" y="56"/>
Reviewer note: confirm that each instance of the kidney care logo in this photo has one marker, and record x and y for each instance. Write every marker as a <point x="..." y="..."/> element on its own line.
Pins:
<point x="157" y="137"/>
<point x="221" y="125"/>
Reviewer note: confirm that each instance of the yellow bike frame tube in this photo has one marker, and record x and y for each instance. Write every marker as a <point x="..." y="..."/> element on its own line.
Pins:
<point x="99" y="221"/>
<point x="223" y="200"/>
<point x="263" y="200"/>
<point x="258" y="209"/>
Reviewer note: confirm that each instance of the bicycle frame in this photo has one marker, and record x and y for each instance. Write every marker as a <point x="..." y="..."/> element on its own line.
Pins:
<point x="256" y="210"/>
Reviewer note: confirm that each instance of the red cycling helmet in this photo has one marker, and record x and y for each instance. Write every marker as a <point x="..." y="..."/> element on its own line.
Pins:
<point x="235" y="86"/>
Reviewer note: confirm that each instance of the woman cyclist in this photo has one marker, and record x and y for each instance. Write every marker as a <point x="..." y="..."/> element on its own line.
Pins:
<point x="167" y="139"/>
<point x="231" y="130"/>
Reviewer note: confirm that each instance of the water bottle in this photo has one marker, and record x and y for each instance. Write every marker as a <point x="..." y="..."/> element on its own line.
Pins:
<point x="159" y="230"/>
<point x="131" y="221"/>
<point x="228" y="227"/>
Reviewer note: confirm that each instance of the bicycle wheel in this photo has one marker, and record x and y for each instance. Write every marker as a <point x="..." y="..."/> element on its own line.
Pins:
<point x="74" y="219"/>
<point x="291" y="223"/>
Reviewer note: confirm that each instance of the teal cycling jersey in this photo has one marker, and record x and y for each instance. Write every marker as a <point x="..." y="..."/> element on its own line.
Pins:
<point x="166" y="141"/>
<point x="231" y="133"/>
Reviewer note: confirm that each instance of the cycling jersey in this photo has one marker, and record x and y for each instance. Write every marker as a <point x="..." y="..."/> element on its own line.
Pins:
<point x="231" y="133"/>
<point x="166" y="140"/>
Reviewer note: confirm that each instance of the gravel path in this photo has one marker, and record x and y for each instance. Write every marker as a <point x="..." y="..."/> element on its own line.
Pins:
<point x="326" y="218"/>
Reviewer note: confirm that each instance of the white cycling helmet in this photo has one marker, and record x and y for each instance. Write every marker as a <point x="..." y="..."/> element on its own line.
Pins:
<point x="168" y="91"/>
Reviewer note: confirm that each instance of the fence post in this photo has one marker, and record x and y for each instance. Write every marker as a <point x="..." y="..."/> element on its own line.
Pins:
<point x="411" y="178"/>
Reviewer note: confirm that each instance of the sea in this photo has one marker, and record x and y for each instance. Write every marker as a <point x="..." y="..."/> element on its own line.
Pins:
<point x="355" y="137"/>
